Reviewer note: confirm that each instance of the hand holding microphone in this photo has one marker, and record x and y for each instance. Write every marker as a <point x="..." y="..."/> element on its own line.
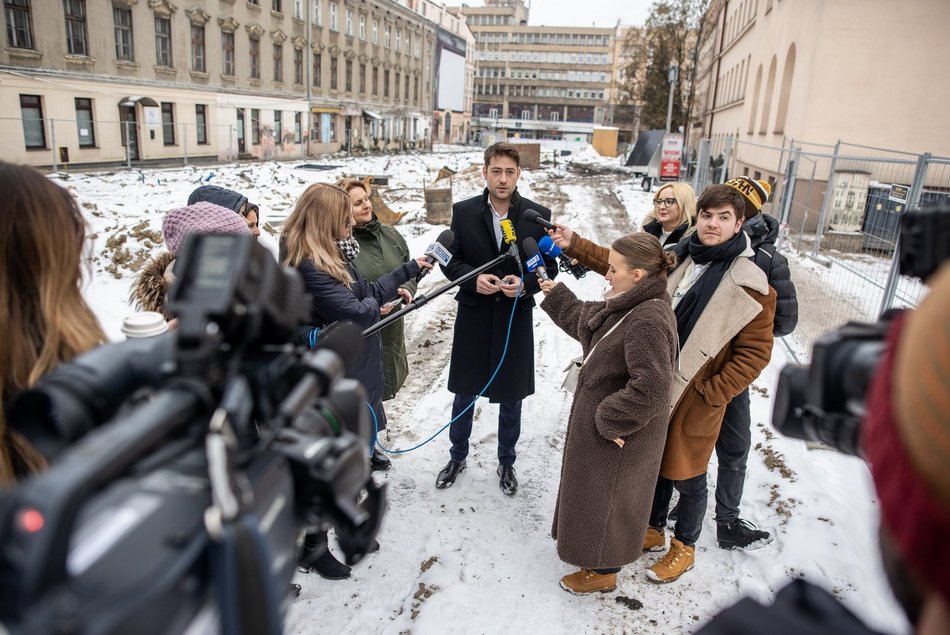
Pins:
<point x="565" y="263"/>
<point x="437" y="251"/>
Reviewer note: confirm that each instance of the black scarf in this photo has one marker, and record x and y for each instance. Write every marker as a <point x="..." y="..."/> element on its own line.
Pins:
<point x="720" y="258"/>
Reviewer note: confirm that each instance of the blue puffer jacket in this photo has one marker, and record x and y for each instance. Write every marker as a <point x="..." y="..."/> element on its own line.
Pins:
<point x="332" y="301"/>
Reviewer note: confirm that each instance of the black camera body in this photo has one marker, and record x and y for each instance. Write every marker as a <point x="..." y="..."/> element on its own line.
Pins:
<point x="825" y="402"/>
<point x="184" y="466"/>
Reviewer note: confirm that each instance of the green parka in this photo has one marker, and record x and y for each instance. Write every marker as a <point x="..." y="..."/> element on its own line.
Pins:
<point x="382" y="249"/>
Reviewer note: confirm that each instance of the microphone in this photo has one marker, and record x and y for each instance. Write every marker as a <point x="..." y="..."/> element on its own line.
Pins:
<point x="549" y="248"/>
<point x="534" y="263"/>
<point x="438" y="251"/>
<point x="508" y="236"/>
<point x="535" y="217"/>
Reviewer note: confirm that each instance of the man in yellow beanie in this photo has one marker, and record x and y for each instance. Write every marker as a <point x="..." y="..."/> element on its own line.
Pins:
<point x="735" y="437"/>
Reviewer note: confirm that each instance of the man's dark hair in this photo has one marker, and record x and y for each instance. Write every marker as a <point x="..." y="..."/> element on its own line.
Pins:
<point x="721" y="196"/>
<point x="502" y="149"/>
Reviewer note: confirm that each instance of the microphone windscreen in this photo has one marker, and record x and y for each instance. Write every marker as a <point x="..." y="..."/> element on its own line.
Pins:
<point x="548" y="247"/>
<point x="446" y="238"/>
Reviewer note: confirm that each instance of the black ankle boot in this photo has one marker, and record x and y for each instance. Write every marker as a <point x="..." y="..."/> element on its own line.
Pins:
<point x="379" y="462"/>
<point x="316" y="556"/>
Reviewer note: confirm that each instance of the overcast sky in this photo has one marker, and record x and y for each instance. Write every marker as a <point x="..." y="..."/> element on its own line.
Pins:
<point x="602" y="13"/>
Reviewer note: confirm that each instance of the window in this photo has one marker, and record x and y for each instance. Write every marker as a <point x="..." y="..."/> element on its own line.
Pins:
<point x="278" y="126"/>
<point x="396" y="87"/>
<point x="298" y="9"/>
<point x="198" y="48"/>
<point x="227" y="53"/>
<point x="255" y="126"/>
<point x="333" y="79"/>
<point x="75" y="11"/>
<point x="19" y="23"/>
<point x="386" y="83"/>
<point x="34" y="129"/>
<point x="201" y="123"/>
<point x="278" y="62"/>
<point x="317" y="13"/>
<point x="163" y="41"/>
<point x="298" y="66"/>
<point x="317" y="67"/>
<point x="255" y="58"/>
<point x="375" y="80"/>
<point x="334" y="26"/>
<point x="275" y="5"/>
<point x="87" y="135"/>
<point x="298" y="127"/>
<point x="349" y="76"/>
<point x="123" y="34"/>
<point x="398" y="39"/>
<point x="555" y="116"/>
<point x="415" y="90"/>
<point x="386" y="39"/>
<point x="363" y="27"/>
<point x="375" y="31"/>
<point x="405" y="92"/>
<point x="349" y="22"/>
<point x="168" y="123"/>
<point x="363" y="78"/>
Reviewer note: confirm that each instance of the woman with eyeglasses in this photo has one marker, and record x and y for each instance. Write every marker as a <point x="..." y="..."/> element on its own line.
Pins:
<point x="673" y="213"/>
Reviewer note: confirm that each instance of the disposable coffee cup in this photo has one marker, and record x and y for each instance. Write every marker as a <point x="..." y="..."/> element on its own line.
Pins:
<point x="144" y="324"/>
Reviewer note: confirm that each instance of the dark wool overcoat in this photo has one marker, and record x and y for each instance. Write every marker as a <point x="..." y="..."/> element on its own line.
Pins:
<point x="655" y="228"/>
<point x="623" y="391"/>
<point x="382" y="249"/>
<point x="332" y="301"/>
<point x="481" y="324"/>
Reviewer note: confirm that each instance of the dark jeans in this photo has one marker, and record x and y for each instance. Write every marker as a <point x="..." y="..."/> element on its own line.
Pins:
<point x="607" y="571"/>
<point x="732" y="450"/>
<point x="692" y="507"/>
<point x="509" y="429"/>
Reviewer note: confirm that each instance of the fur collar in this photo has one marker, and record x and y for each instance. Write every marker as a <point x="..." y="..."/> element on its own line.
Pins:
<point x="150" y="290"/>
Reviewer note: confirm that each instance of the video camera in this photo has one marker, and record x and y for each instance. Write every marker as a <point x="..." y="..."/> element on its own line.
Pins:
<point x="825" y="401"/>
<point x="183" y="466"/>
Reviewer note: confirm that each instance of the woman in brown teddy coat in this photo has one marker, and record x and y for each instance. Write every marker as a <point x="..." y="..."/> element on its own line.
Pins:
<point x="618" y="422"/>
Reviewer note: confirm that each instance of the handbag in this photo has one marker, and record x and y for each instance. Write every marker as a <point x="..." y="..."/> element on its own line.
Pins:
<point x="573" y="370"/>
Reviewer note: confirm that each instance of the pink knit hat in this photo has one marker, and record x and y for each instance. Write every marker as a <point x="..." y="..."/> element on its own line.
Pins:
<point x="200" y="218"/>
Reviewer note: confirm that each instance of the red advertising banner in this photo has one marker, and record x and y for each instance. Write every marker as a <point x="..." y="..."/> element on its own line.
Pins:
<point x="669" y="170"/>
<point x="672" y="151"/>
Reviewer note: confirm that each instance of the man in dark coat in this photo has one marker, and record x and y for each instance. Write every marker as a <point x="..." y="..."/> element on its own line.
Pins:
<point x="735" y="437"/>
<point x="485" y="311"/>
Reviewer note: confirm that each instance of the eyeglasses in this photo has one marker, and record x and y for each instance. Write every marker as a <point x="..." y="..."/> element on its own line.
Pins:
<point x="661" y="202"/>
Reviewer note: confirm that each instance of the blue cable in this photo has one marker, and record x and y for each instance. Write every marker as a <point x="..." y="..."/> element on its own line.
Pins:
<point x="469" y="406"/>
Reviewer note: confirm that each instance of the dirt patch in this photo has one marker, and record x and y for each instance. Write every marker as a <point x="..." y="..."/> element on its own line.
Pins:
<point x="783" y="508"/>
<point x="425" y="566"/>
<point x="631" y="603"/>
<point x="423" y="593"/>
<point x="775" y="460"/>
<point x="143" y="233"/>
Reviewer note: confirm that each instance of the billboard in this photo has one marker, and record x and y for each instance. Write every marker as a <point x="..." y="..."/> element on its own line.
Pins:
<point x="449" y="71"/>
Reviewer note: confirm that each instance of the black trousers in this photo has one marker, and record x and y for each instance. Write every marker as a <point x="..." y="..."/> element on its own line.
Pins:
<point x="691" y="507"/>
<point x="732" y="451"/>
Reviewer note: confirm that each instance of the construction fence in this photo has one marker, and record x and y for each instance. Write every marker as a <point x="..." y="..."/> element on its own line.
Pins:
<point x="840" y="208"/>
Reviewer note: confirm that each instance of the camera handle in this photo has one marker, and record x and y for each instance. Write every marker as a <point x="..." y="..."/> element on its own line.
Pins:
<point x="242" y="582"/>
<point x="421" y="299"/>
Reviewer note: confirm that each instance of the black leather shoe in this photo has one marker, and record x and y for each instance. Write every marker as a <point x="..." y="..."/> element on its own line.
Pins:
<point x="449" y="473"/>
<point x="379" y="462"/>
<point x="507" y="480"/>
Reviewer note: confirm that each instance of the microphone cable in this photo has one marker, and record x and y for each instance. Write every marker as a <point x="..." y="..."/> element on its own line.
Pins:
<point x="501" y="361"/>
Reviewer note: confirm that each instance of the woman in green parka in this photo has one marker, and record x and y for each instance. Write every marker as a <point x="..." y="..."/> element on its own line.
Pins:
<point x="382" y="249"/>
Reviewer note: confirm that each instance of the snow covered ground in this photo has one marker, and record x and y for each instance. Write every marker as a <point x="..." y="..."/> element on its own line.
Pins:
<point x="468" y="559"/>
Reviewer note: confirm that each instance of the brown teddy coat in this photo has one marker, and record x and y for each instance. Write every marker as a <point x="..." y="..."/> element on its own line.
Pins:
<point x="729" y="346"/>
<point x="623" y="391"/>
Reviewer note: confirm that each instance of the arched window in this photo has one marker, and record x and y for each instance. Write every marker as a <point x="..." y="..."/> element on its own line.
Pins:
<point x="786" y="90"/>
<point x="755" y="100"/>
<point x="767" y="104"/>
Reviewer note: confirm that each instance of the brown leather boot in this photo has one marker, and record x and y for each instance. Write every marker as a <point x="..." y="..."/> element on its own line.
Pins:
<point x="589" y="581"/>
<point x="655" y="539"/>
<point x="677" y="561"/>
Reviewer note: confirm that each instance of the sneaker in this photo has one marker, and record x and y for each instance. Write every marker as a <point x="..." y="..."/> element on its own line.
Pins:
<point x="449" y="473"/>
<point x="655" y="540"/>
<point x="589" y="581"/>
<point x="507" y="480"/>
<point x="677" y="561"/>
<point x="379" y="462"/>
<point x="741" y="534"/>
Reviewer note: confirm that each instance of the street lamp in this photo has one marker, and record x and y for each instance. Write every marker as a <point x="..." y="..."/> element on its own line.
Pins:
<point x="672" y="77"/>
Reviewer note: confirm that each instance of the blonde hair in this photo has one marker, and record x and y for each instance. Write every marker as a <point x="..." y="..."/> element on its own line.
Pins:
<point x="685" y="198"/>
<point x="311" y="230"/>
<point x="643" y="251"/>
<point x="42" y="235"/>
<point x="347" y="183"/>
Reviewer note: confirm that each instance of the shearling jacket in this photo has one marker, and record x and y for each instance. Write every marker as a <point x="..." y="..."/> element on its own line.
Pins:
<point x="727" y="349"/>
<point x="623" y="391"/>
<point x="150" y="290"/>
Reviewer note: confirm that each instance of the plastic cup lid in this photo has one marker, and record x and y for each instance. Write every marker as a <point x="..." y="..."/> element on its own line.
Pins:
<point x="144" y="324"/>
